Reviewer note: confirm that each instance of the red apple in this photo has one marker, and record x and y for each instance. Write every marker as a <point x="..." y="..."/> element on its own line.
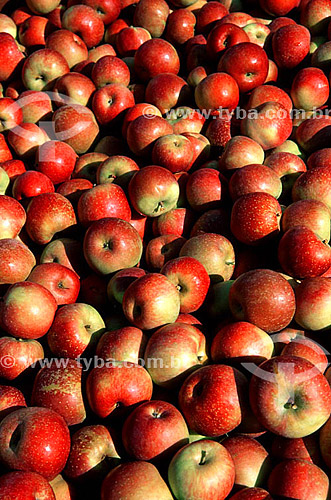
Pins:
<point x="16" y="260"/>
<point x="10" y="58"/>
<point x="16" y="355"/>
<point x="217" y="91"/>
<point x="144" y="130"/>
<point x="85" y="21"/>
<point x="61" y="281"/>
<point x="76" y="125"/>
<point x="30" y="184"/>
<point x="313" y="303"/>
<point x="254" y="178"/>
<point x="290" y="45"/>
<point x="69" y="44"/>
<point x="22" y="485"/>
<point x="155" y="56"/>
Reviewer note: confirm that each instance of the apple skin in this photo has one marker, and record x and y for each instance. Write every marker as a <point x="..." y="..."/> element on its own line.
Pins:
<point x="159" y="423"/>
<point x="167" y="91"/>
<point x="17" y="261"/>
<point x="70" y="45"/>
<point x="110" y="69"/>
<point x="151" y="301"/>
<point x="8" y="25"/>
<point x="129" y="38"/>
<point x="25" y="139"/>
<point x="325" y="443"/>
<point x="10" y="113"/>
<point x="10" y="399"/>
<point x="314" y="133"/>
<point x="36" y="105"/>
<point x="117" y="382"/>
<point x="223" y="36"/>
<point x="153" y="190"/>
<point x="216" y="91"/>
<point x="310" y="89"/>
<point x="240" y="151"/>
<point x="84" y="20"/>
<point x="42" y="6"/>
<point x="251" y="494"/>
<point x="180" y="26"/>
<point x="201" y="470"/>
<point x="247" y="63"/>
<point x="209" y="15"/>
<point x="13" y="168"/>
<point x="42" y="68"/>
<point x="177" y="221"/>
<point x="31" y="183"/>
<point x="111" y="244"/>
<point x="64" y="251"/>
<point x="20" y="353"/>
<point x="110" y="102"/>
<point x="60" y="389"/>
<point x="75" y="328"/>
<point x="303" y="402"/>
<point x="306" y="448"/>
<point x="299" y="241"/>
<point x="23" y="485"/>
<point x="254" y="178"/>
<point x="151" y="15"/>
<point x="27" y="310"/>
<point x="73" y="88"/>
<point x="180" y="349"/>
<point x="267" y="93"/>
<point x="255" y="218"/>
<point x="313" y="315"/>
<point x="303" y="347"/>
<point x="89" y="447"/>
<point x="57" y="160"/>
<point x="161" y="249"/>
<point x="120" y="281"/>
<point x="278" y="8"/>
<point x="13" y="217"/>
<point x="313" y="185"/>
<point x="251" y="460"/>
<point x="205" y="189"/>
<point x="262" y="297"/>
<point x="137" y="479"/>
<point x="144" y="130"/>
<point x="47" y="214"/>
<point x="117" y="169"/>
<point x="241" y="341"/>
<point x="42" y="441"/>
<point x="11" y="57"/>
<point x="298" y="479"/>
<point x="290" y="45"/>
<point x="87" y="165"/>
<point x="155" y="56"/>
<point x="315" y="16"/>
<point x="211" y="399"/>
<point x="124" y="344"/>
<point x="288" y="167"/>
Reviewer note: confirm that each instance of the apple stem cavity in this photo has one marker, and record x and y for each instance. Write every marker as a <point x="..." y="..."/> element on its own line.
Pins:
<point x="203" y="457"/>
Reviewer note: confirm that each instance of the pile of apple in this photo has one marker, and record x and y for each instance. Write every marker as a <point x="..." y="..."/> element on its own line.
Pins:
<point x="165" y="268"/>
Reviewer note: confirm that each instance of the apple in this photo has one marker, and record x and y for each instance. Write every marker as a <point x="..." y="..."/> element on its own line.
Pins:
<point x="278" y="8"/>
<point x="151" y="15"/>
<point x="42" y="68"/>
<point x="85" y="21"/>
<point x="25" y="139"/>
<point x="315" y="16"/>
<point x="306" y="448"/>
<point x="69" y="44"/>
<point x="223" y="36"/>
<point x="117" y="169"/>
<point x="263" y="297"/>
<point x="266" y="93"/>
<point x="180" y="26"/>
<point x="290" y="45"/>
<point x="117" y="383"/>
<point x="17" y="355"/>
<point x="16" y="260"/>
<point x="316" y="315"/>
<point x="11" y="399"/>
<point x="310" y="89"/>
<point x="33" y="31"/>
<point x="313" y="185"/>
<point x="36" y="105"/>
<point x="173" y="351"/>
<point x="251" y="494"/>
<point x="87" y="165"/>
<point x="42" y="6"/>
<point x="10" y="113"/>
<point x="57" y="160"/>
<point x="303" y="347"/>
<point x="217" y="91"/>
<point x="288" y="166"/>
<point x="12" y="168"/>
<point x="13" y="217"/>
<point x="240" y="151"/>
<point x="64" y="251"/>
<point x="73" y="88"/>
<point x="124" y="344"/>
<point x="156" y="422"/>
<point x="209" y="15"/>
<point x="155" y="56"/>
<point x="75" y="328"/>
<point x="119" y="282"/>
<point x="177" y="221"/>
<point x="111" y="244"/>
<point x="258" y="33"/>
<point x="61" y="281"/>
<point x="144" y="130"/>
<point x="23" y="484"/>
<point x="8" y="25"/>
<point x="11" y="57"/>
<point x="151" y="301"/>
<point x="162" y="249"/>
<point x="110" y="69"/>
<point x="167" y="91"/>
<point x="254" y="178"/>
<point x="129" y="38"/>
<point x="303" y="402"/>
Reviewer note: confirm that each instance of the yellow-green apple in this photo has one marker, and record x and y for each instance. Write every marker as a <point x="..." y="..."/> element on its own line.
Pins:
<point x="196" y="75"/>
<point x="129" y="38"/>
<point x="155" y="56"/>
<point x="306" y="348"/>
<point x="288" y="167"/>
<point x="306" y="448"/>
<point x="117" y="383"/>
<point x="120" y="281"/>
<point x="124" y="344"/>
<point x="20" y="354"/>
<point x="60" y="389"/>
<point x="4" y="180"/>
<point x="247" y="63"/>
<point x="11" y="399"/>
<point x="12" y="217"/>
<point x="35" y="440"/>
<point x="69" y="44"/>
<point x="85" y="21"/>
<point x="290" y="45"/>
<point x="156" y="422"/>
<point x="62" y="489"/>
<point x="180" y="26"/>
<point x="10" y="114"/>
<point x="217" y="91"/>
<point x="161" y="249"/>
<point x="255" y="218"/>
<point x="254" y="178"/>
<point x="153" y="190"/>
<point x="151" y="301"/>
<point x="212" y="399"/>
<point x="310" y="89"/>
<point x="27" y="310"/>
<point x="11" y="57"/>
<point x="65" y="251"/>
<point x="298" y="479"/>
<point x="117" y="169"/>
<point x="42" y="6"/>
<point x="76" y="125"/>
<point x="241" y="341"/>
<point x="208" y="15"/>
<point x="75" y="328"/>
<point x="201" y="470"/>
<point x="191" y="279"/>
<point x="320" y="58"/>
<point x="61" y="281"/>
<point x="42" y="68"/>
<point x="25" y="139"/>
<point x="166" y="91"/>
<point x="173" y="351"/>
<point x="269" y="124"/>
<point x="92" y="447"/>
<point x="24" y="484"/>
<point x="267" y="93"/>
<point x="251" y="494"/>
<point x="262" y="297"/>
<point x="325" y="443"/>
<point x="315" y="15"/>
<point x="144" y="130"/>
<point x="303" y="254"/>
<point x="240" y="151"/>
<point x="111" y="244"/>
<point x="31" y="183"/>
<point x="223" y="36"/>
<point x="135" y="479"/>
<point x="7" y="25"/>
<point x="73" y="88"/>
<point x="56" y="159"/>
<point x="312" y="303"/>
<point x="151" y="15"/>
<point x="36" y="105"/>
<point x="16" y="259"/>
<point x="110" y="69"/>
<point x="313" y="185"/>
<point x="48" y="214"/>
<point x="214" y="251"/>
<point x="290" y="396"/>
<point x="257" y="33"/>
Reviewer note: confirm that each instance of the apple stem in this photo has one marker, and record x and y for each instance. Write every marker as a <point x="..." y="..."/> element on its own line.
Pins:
<point x="290" y="405"/>
<point x="203" y="457"/>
